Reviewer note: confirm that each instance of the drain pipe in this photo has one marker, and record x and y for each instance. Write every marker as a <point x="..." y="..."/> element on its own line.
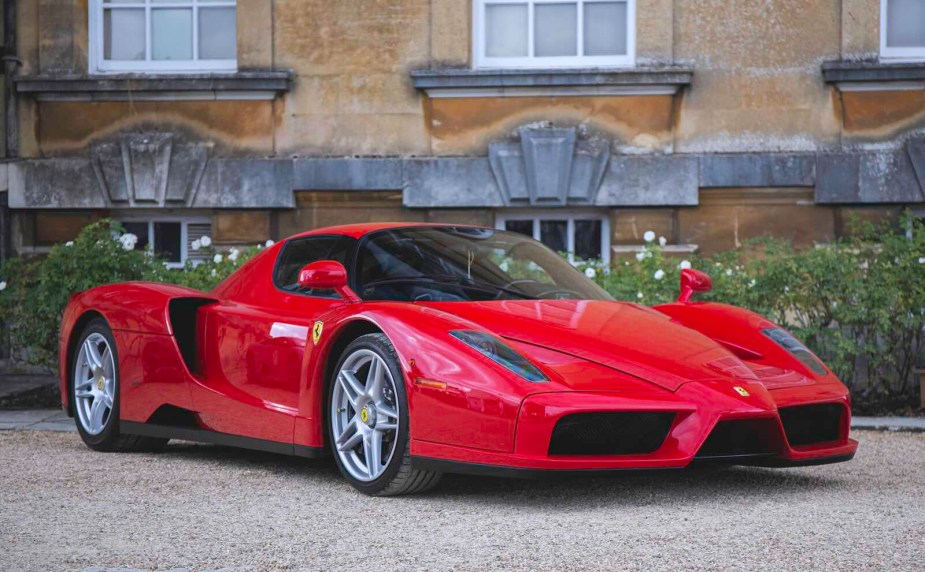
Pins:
<point x="11" y="63"/>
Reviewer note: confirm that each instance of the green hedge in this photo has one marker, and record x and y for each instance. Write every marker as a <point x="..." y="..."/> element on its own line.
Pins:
<point x="859" y="303"/>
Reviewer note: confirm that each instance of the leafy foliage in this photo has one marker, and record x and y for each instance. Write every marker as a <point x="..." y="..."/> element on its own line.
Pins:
<point x="35" y="291"/>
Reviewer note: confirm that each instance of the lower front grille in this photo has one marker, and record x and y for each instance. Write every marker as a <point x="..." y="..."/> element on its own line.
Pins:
<point x="812" y="424"/>
<point x="742" y="438"/>
<point x="610" y="433"/>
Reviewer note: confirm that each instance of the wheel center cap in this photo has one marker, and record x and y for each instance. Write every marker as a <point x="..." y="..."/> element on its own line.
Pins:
<point x="99" y="384"/>
<point x="368" y="415"/>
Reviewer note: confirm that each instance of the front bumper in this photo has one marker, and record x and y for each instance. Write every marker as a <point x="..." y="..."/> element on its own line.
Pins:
<point x="700" y="410"/>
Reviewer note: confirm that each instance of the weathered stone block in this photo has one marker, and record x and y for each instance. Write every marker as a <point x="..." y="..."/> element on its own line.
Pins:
<point x="727" y="218"/>
<point x="450" y="182"/>
<point x="629" y="225"/>
<point x="663" y="180"/>
<point x="255" y="41"/>
<point x="237" y="227"/>
<point x="56" y="228"/>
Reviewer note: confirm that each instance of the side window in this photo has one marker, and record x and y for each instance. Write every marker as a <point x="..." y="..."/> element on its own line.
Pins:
<point x="300" y="252"/>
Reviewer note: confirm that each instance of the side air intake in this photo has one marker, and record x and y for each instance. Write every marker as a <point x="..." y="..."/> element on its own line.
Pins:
<point x="184" y="323"/>
<point x="610" y="433"/>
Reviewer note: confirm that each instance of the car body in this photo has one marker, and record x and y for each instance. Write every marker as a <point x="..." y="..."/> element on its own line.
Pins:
<point x="581" y="385"/>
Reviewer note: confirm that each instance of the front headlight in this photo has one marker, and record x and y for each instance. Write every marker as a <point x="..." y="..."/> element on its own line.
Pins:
<point x="784" y="339"/>
<point x="501" y="353"/>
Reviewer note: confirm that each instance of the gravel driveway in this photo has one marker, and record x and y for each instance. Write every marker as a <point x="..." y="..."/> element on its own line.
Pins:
<point x="63" y="507"/>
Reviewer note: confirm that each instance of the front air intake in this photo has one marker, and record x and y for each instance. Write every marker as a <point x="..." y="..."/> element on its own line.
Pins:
<point x="741" y="438"/>
<point x="610" y="433"/>
<point x="812" y="424"/>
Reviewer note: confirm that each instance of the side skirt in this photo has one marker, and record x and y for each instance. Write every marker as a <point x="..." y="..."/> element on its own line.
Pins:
<point x="216" y="438"/>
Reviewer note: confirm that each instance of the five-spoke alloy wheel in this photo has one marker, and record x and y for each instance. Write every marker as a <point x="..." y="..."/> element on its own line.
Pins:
<point x="368" y="420"/>
<point x="94" y="383"/>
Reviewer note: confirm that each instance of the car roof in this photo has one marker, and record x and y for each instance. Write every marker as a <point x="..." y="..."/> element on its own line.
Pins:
<point x="358" y="230"/>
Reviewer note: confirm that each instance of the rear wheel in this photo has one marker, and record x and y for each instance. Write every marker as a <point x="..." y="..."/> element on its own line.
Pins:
<point x="368" y="421"/>
<point x="95" y="393"/>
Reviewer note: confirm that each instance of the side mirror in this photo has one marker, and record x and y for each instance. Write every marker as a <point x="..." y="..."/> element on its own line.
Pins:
<point x="327" y="275"/>
<point x="693" y="282"/>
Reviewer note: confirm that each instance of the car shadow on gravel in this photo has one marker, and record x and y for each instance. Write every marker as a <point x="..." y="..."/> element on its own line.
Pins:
<point x="637" y="488"/>
<point x="282" y="465"/>
<point x="706" y="483"/>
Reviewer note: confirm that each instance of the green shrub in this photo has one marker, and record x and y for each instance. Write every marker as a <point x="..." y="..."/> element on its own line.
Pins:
<point x="35" y="291"/>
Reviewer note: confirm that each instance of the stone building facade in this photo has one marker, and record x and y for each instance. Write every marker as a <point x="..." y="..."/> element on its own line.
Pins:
<point x="583" y="122"/>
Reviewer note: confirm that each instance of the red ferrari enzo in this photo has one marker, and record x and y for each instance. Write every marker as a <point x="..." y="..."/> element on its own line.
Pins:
<point x="408" y="351"/>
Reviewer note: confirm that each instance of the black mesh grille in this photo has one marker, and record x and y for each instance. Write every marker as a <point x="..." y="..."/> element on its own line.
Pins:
<point x="612" y="433"/>
<point x="811" y="424"/>
<point x="742" y="437"/>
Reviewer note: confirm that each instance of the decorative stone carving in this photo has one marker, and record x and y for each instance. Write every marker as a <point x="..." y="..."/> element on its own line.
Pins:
<point x="549" y="166"/>
<point x="148" y="170"/>
<point x="916" y="150"/>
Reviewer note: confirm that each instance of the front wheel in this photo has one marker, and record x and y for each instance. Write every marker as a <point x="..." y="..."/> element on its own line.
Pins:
<point x="368" y="421"/>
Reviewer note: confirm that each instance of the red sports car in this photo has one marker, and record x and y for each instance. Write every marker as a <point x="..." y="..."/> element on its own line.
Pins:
<point x="408" y="351"/>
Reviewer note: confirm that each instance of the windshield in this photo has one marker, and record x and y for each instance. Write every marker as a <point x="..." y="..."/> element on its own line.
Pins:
<point x="456" y="264"/>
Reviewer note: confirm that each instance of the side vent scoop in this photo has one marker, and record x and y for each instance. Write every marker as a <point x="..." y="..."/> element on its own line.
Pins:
<point x="184" y="323"/>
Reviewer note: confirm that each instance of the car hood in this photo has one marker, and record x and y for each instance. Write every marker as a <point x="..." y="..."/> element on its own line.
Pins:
<point x="623" y="336"/>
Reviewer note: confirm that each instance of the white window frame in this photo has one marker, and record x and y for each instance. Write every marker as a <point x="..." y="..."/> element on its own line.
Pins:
<point x="99" y="65"/>
<point x="184" y="221"/>
<point x="570" y="216"/>
<point x="896" y="54"/>
<point x="480" y="60"/>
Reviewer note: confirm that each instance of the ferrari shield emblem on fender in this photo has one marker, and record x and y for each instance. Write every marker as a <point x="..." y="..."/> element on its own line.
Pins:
<point x="741" y="391"/>
<point x="316" y="332"/>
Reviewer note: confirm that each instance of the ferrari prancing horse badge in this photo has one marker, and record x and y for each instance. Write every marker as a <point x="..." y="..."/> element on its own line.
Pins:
<point x="316" y="332"/>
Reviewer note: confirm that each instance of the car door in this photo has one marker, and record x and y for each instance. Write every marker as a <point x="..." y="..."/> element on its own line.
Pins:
<point x="257" y="344"/>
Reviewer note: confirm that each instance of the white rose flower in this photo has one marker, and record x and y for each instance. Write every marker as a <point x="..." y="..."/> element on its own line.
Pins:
<point x="128" y="241"/>
<point x="922" y="260"/>
<point x="69" y="243"/>
<point x="233" y="254"/>
<point x="729" y="272"/>
<point x="685" y="264"/>
<point x="196" y="245"/>
<point x="217" y="259"/>
<point x="751" y="283"/>
<point x="639" y="295"/>
<point x="640" y="256"/>
<point x="590" y="272"/>
<point x="269" y="243"/>
<point x="205" y="241"/>
<point x="213" y="273"/>
<point x="662" y="241"/>
<point x="659" y="274"/>
<point x="786" y="288"/>
<point x="649" y="236"/>
<point x="2" y="286"/>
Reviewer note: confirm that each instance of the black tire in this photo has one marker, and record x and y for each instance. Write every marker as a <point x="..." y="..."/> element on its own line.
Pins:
<point x="399" y="477"/>
<point x="109" y="439"/>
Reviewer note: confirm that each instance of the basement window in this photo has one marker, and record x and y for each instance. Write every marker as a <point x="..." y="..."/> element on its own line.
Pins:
<point x="163" y="36"/>
<point x="170" y="239"/>
<point x="902" y="29"/>
<point x="554" y="33"/>
<point x="583" y="236"/>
